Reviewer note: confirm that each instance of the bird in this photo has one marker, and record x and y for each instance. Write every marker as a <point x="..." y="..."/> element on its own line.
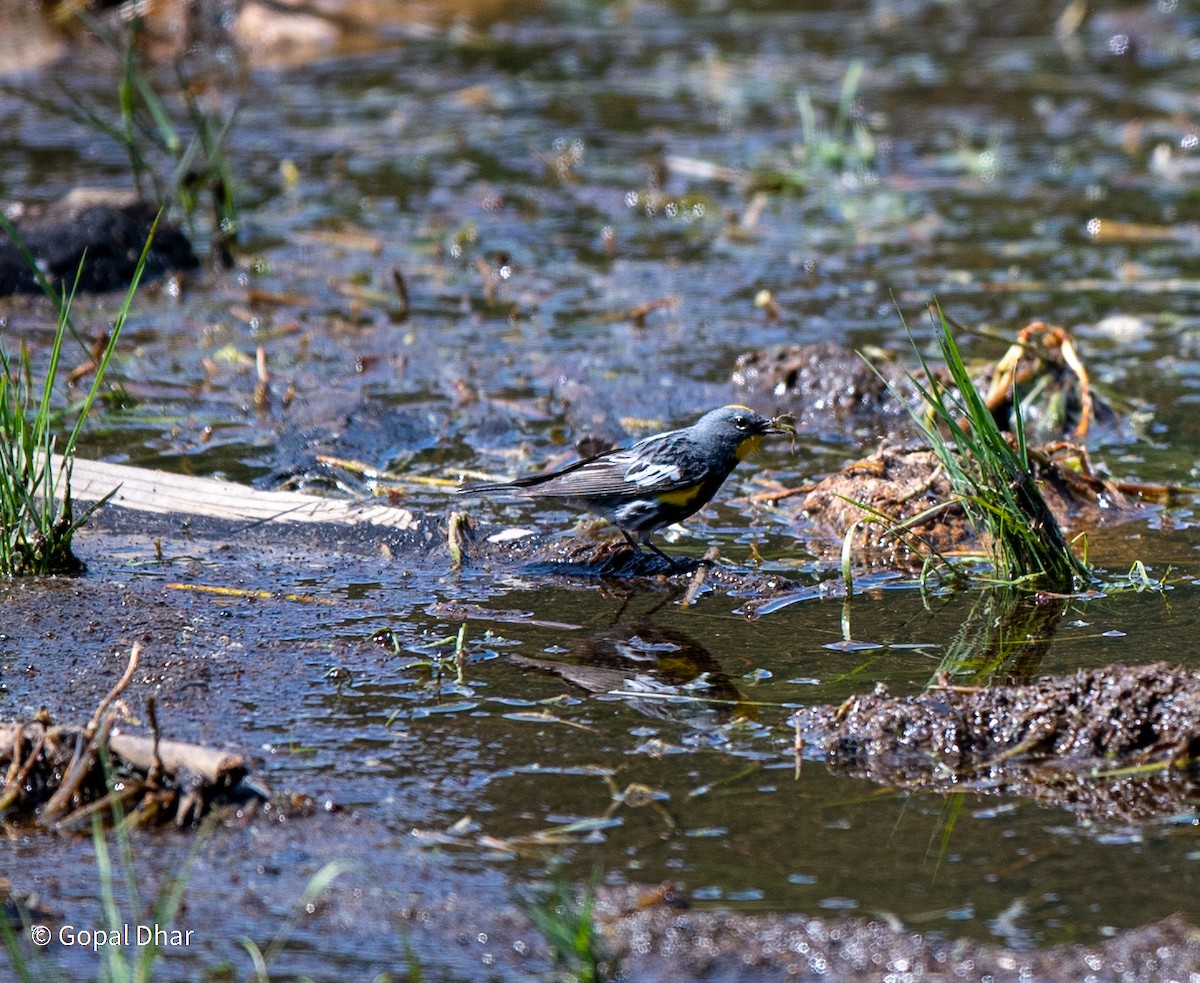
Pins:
<point x="655" y="482"/>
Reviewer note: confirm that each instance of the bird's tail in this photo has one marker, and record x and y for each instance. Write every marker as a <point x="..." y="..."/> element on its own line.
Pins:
<point x="484" y="487"/>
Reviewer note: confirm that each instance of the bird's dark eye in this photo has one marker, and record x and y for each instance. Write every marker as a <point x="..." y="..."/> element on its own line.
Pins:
<point x="741" y="422"/>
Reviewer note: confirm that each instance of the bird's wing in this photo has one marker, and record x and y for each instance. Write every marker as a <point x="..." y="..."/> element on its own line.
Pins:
<point x="658" y="464"/>
<point x="651" y="467"/>
<point x="527" y="482"/>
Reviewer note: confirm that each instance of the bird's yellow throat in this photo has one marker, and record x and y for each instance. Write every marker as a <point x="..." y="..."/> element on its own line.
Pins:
<point x="749" y="446"/>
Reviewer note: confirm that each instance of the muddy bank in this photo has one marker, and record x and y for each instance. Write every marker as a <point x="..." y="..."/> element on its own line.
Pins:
<point x="1118" y="743"/>
<point x="659" y="942"/>
<point x="899" y="506"/>
<point x="242" y="629"/>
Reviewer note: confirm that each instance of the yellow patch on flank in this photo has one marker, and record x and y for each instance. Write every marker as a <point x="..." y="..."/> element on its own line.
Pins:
<point x="749" y="446"/>
<point x="683" y="497"/>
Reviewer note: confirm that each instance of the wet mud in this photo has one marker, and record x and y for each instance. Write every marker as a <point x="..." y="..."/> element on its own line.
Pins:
<point x="223" y="672"/>
<point x="832" y="389"/>
<point x="388" y="902"/>
<point x="828" y="388"/>
<point x="654" y="941"/>
<point x="109" y="229"/>
<point x="900" y="507"/>
<point x="596" y="554"/>
<point x="1119" y="743"/>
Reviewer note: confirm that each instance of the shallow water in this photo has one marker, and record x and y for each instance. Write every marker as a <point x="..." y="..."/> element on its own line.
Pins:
<point x="522" y="175"/>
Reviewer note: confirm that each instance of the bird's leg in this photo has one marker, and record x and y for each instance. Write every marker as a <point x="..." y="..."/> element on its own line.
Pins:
<point x="675" y="565"/>
<point x="638" y="544"/>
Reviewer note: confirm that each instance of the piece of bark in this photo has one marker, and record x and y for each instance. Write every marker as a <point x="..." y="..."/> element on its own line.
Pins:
<point x="218" y="768"/>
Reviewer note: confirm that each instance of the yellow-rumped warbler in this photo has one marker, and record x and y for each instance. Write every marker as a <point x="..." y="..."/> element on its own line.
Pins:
<point x="658" y="481"/>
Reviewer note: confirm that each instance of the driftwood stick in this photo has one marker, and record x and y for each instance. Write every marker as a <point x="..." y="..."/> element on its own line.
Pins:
<point x="12" y="788"/>
<point x="72" y="776"/>
<point x="178" y="494"/>
<point x="216" y="767"/>
<point x="154" y="775"/>
<point x="191" y="802"/>
<point x="14" y="754"/>
<point x="30" y="761"/>
<point x="12" y="733"/>
<point x="82" y="763"/>
<point x="130" y="792"/>
<point x="135" y="654"/>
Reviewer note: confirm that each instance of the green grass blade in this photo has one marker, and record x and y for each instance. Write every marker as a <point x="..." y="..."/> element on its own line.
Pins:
<point x="15" y="956"/>
<point x="992" y="478"/>
<point x="106" y="356"/>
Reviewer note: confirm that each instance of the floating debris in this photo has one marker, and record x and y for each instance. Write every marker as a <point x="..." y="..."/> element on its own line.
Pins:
<point x="62" y="775"/>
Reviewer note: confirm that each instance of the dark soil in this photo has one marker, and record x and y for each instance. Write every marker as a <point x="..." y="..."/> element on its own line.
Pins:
<point x="1114" y="743"/>
<point x="831" y="389"/>
<point x="107" y="232"/>
<point x="657" y="941"/>
<point x="827" y="387"/>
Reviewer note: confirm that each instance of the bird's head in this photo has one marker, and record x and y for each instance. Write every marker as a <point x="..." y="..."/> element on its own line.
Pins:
<point x="737" y="429"/>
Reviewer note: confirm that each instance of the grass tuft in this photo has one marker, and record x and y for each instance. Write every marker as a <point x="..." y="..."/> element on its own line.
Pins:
<point x="37" y="515"/>
<point x="569" y="930"/>
<point x="173" y="161"/>
<point x="844" y="144"/>
<point x="992" y="477"/>
<point x="834" y="146"/>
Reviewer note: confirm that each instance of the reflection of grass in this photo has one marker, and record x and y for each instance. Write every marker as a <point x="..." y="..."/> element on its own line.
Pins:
<point x="951" y="810"/>
<point x="37" y="528"/>
<point x="994" y="479"/>
<point x="1005" y="635"/>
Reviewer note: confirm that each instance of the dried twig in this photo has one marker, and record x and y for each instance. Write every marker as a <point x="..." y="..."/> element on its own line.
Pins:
<point x="154" y="775"/>
<point x="135" y="655"/>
